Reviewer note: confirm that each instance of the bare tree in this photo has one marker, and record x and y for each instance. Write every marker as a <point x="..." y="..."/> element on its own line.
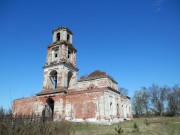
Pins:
<point x="158" y="96"/>
<point x="145" y="99"/>
<point x="123" y="91"/>
<point x="173" y="99"/>
<point x="2" y="112"/>
<point x="137" y="103"/>
<point x="141" y="101"/>
<point x="155" y="99"/>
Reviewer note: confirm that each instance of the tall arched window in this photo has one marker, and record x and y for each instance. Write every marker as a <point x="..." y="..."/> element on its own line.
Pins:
<point x="58" y="37"/>
<point x="53" y="78"/>
<point x="69" y="78"/>
<point x="117" y="109"/>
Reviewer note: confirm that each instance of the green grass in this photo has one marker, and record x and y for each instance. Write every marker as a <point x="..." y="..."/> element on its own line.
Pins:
<point x="155" y="126"/>
<point x="144" y="126"/>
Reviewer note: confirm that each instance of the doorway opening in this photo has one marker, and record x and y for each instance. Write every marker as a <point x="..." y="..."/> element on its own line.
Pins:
<point x="49" y="108"/>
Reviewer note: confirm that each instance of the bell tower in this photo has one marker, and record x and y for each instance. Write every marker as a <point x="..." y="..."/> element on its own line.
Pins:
<point x="60" y="69"/>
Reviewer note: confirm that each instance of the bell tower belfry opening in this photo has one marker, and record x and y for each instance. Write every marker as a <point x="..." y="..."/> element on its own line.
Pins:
<point x="60" y="69"/>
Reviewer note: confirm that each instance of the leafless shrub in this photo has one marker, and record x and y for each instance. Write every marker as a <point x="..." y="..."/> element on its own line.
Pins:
<point x="31" y="125"/>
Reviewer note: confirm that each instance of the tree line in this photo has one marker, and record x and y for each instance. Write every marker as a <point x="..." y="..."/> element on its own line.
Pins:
<point x="156" y="100"/>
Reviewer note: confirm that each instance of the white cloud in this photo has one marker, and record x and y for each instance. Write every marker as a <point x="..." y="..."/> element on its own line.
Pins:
<point x="158" y="9"/>
<point x="158" y="5"/>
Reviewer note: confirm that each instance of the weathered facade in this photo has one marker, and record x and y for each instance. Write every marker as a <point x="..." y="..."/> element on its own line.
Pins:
<point x="93" y="98"/>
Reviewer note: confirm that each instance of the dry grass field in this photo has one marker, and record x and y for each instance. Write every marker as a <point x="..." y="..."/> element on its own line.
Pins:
<point x="137" y="126"/>
<point x="145" y="126"/>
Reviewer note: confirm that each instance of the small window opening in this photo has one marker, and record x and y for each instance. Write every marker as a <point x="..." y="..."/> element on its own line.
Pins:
<point x="69" y="53"/>
<point x="68" y="38"/>
<point x="110" y="105"/>
<point x="58" y="37"/>
<point x="56" y="51"/>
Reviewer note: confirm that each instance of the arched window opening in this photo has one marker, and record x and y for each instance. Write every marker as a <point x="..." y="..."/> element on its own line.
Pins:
<point x="122" y="111"/>
<point x="69" y="54"/>
<point x="56" y="51"/>
<point x="58" y="37"/>
<point x="56" y="55"/>
<point x="68" y="38"/>
<point x="117" y="109"/>
<point x="49" y="108"/>
<point x="70" y="74"/>
<point x="53" y="77"/>
<point x="110" y="105"/>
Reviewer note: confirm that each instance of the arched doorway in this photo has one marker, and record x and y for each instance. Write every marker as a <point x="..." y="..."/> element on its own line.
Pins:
<point x="49" y="108"/>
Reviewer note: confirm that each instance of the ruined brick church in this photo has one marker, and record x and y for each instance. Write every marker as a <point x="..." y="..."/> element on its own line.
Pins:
<point x="92" y="98"/>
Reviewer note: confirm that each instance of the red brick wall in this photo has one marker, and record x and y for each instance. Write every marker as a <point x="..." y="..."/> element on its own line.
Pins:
<point x="84" y="103"/>
<point x="24" y="106"/>
<point x="76" y="104"/>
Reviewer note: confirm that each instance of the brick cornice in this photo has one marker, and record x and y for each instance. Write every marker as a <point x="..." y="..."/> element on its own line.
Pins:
<point x="73" y="92"/>
<point x="51" y="92"/>
<point x="60" y="28"/>
<point x="71" y="46"/>
<point x="99" y="77"/>
<point x="62" y="63"/>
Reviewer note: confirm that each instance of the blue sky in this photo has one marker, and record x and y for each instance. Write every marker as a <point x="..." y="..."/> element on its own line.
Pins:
<point x="135" y="41"/>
